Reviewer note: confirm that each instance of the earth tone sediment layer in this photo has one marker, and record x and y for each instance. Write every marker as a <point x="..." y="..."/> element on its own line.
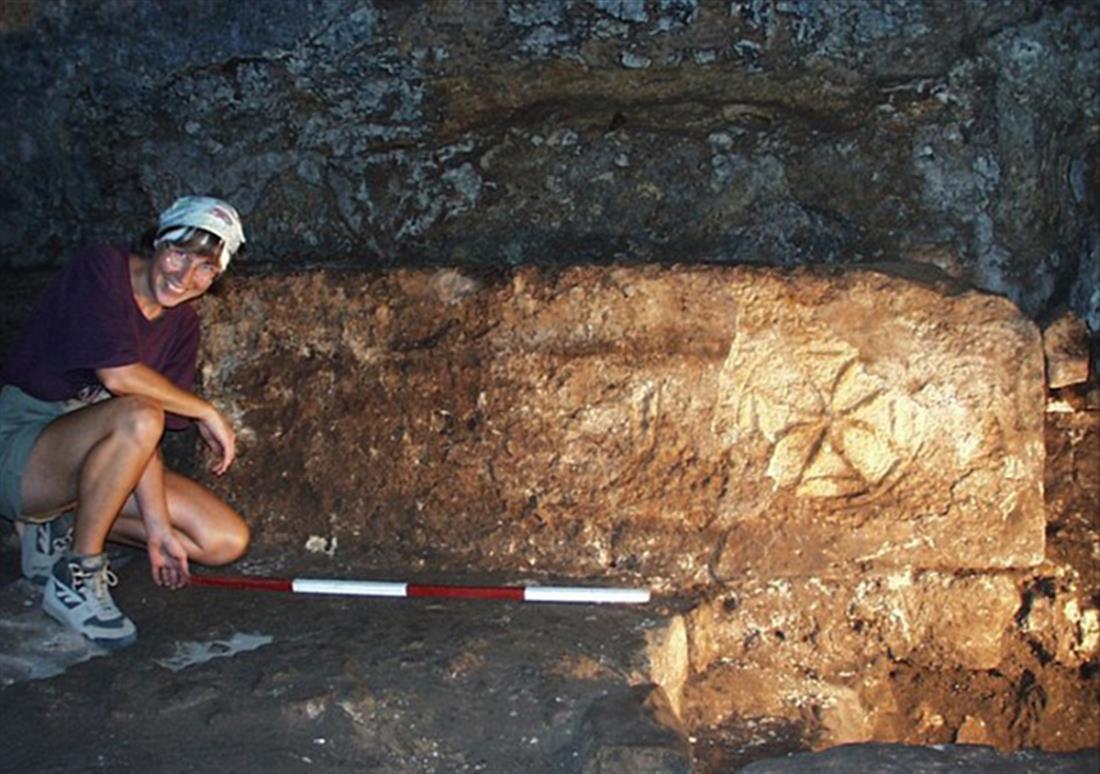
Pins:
<point x="685" y="425"/>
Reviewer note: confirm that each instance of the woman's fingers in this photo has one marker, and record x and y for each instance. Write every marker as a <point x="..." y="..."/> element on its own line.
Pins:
<point x="168" y="562"/>
<point x="220" y="437"/>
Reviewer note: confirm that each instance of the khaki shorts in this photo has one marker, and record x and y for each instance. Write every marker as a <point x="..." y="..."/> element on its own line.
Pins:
<point x="22" y="418"/>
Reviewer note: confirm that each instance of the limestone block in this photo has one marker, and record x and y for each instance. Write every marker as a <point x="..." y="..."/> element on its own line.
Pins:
<point x="676" y="424"/>
<point x="664" y="660"/>
<point x="937" y="619"/>
<point x="882" y="423"/>
<point x="828" y="713"/>
<point x="1066" y="346"/>
<point x="840" y="629"/>
<point x="795" y="624"/>
<point x="973" y="730"/>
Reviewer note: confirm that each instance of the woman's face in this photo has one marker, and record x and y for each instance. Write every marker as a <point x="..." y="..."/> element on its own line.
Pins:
<point x="176" y="276"/>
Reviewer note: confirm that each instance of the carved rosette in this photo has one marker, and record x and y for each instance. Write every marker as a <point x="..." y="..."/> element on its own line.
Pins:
<point x="833" y="429"/>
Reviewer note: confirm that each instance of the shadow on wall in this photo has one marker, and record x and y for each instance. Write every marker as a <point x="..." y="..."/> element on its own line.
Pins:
<point x="383" y="135"/>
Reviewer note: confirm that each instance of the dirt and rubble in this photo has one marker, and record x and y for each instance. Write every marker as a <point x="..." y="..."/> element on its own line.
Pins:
<point x="1040" y="690"/>
<point x="251" y="681"/>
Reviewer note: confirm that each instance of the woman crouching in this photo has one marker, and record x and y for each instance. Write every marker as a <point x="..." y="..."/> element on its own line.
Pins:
<point x="104" y="363"/>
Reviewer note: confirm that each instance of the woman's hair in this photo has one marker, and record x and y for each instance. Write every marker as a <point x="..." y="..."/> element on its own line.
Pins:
<point x="188" y="239"/>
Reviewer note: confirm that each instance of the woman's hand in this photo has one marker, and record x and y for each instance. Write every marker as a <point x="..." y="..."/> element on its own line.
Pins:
<point x="140" y="379"/>
<point x="217" y="433"/>
<point x="167" y="558"/>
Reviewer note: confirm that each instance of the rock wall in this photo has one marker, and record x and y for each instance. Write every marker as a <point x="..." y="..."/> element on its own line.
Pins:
<point x="1004" y="658"/>
<point x="847" y="511"/>
<point x="843" y="467"/>
<point x="688" y="425"/>
<point x="502" y="132"/>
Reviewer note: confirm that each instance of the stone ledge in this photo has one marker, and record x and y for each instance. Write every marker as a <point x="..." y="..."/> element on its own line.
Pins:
<point x="679" y="424"/>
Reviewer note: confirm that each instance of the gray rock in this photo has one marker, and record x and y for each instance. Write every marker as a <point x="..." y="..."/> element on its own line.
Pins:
<point x="902" y="759"/>
<point x="892" y="130"/>
<point x="633" y="729"/>
<point x="1066" y="348"/>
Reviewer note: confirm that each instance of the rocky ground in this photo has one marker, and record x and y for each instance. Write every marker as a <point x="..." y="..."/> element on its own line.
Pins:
<point x="254" y="681"/>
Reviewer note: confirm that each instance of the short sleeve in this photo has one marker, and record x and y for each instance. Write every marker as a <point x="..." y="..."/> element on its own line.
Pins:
<point x="97" y="330"/>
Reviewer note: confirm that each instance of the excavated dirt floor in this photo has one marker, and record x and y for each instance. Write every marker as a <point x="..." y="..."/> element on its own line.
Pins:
<point x="235" y="681"/>
<point x="332" y="684"/>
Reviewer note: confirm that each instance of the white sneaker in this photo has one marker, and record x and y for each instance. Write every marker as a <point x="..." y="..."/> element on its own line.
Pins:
<point x="41" y="545"/>
<point x="78" y="595"/>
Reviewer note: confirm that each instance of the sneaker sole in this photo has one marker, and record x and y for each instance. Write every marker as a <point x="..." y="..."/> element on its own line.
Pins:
<point x="112" y="643"/>
<point x="37" y="580"/>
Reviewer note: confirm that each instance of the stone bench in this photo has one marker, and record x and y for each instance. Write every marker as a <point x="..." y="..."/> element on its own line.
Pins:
<point x="683" y="425"/>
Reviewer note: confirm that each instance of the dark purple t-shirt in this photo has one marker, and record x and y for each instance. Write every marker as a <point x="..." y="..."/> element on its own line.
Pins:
<point x="87" y="319"/>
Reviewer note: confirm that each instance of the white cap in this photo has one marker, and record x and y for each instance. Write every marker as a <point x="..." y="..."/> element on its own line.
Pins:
<point x="209" y="214"/>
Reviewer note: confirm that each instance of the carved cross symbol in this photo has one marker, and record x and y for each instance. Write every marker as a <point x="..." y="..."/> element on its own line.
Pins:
<point x="836" y="430"/>
<point x="845" y="447"/>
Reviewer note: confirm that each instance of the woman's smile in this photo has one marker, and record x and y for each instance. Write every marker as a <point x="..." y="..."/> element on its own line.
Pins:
<point x="172" y="290"/>
<point x="179" y="277"/>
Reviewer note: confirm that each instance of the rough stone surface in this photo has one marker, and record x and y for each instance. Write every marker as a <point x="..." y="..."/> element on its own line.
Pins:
<point x="684" y="425"/>
<point x="888" y="653"/>
<point x="1007" y="659"/>
<point x="888" y="759"/>
<point x="1066" y="346"/>
<point x="821" y="653"/>
<point x="515" y="131"/>
<point x="261" y="682"/>
<point x="665" y="659"/>
<point x="928" y="618"/>
<point x="633" y="730"/>
<point x="973" y="730"/>
<point x="347" y="685"/>
<point x="35" y="648"/>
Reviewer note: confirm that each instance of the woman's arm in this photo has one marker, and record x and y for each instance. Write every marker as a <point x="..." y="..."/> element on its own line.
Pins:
<point x="140" y="379"/>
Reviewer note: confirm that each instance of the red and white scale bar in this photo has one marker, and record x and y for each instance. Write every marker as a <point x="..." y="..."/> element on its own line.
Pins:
<point x="362" y="588"/>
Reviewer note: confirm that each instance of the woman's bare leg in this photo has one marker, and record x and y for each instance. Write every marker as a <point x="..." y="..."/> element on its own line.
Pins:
<point x="101" y="454"/>
<point x="210" y="530"/>
<point x="96" y="456"/>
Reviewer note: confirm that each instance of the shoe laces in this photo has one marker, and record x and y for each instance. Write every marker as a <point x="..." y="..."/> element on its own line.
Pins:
<point x="102" y="580"/>
<point x="61" y="543"/>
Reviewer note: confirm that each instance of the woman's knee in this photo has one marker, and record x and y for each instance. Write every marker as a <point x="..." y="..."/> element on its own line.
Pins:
<point x="140" y="418"/>
<point x="228" y="545"/>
